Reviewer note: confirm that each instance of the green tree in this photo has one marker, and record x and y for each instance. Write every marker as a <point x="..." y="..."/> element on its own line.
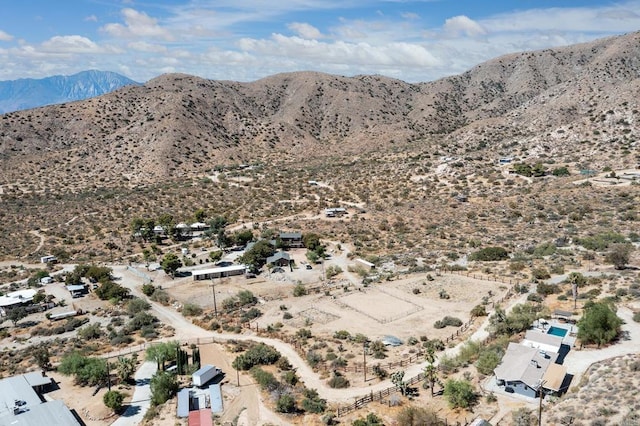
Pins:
<point x="459" y="393"/>
<point x="619" y="255"/>
<point x="41" y="355"/>
<point x="430" y="370"/>
<point x="15" y="315"/>
<point x="216" y="229"/>
<point x="487" y="361"/>
<point x="164" y="386"/>
<point x="257" y="255"/>
<point x="397" y="378"/>
<point x="242" y="238"/>
<point x="170" y="264"/>
<point x="109" y="290"/>
<point x="162" y="352"/>
<point x="87" y="371"/>
<point x="599" y="324"/>
<point x="113" y="399"/>
<point x="168" y="224"/>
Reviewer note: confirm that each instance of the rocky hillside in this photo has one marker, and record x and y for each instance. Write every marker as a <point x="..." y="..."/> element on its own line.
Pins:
<point x="525" y="104"/>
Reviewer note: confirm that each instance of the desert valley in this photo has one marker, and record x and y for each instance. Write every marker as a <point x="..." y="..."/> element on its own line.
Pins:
<point x="346" y="250"/>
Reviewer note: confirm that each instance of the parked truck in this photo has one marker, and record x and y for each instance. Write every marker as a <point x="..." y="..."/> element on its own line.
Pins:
<point x="205" y="374"/>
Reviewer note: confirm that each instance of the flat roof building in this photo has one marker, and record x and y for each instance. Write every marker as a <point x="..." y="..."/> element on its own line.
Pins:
<point x="21" y="403"/>
<point x="224" y="271"/>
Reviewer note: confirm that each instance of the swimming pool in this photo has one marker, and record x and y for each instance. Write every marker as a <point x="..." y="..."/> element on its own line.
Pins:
<point x="557" y="331"/>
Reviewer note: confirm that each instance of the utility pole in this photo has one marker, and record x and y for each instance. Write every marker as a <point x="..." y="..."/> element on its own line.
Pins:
<point x="215" y="306"/>
<point x="108" y="376"/>
<point x="364" y="355"/>
<point x="540" y="393"/>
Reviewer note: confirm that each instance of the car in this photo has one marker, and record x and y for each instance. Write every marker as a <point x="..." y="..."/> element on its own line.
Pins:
<point x="309" y="266"/>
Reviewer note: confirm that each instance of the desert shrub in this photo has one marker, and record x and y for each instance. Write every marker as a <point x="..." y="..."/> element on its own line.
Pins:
<point x="113" y="399"/>
<point x="136" y="305"/>
<point x="191" y="310"/>
<point x="459" y="393"/>
<point x="290" y="377"/>
<point x="258" y="354"/>
<point x="148" y="289"/>
<point x="535" y="298"/>
<point x="287" y="316"/>
<point x="299" y="290"/>
<point x="546" y="289"/>
<point x="313" y="358"/>
<point x="341" y="334"/>
<point x="286" y="404"/>
<point x="90" y="332"/>
<point x="312" y="403"/>
<point x="479" y="311"/>
<point x="338" y="381"/>
<point x="265" y="380"/>
<point x="487" y="361"/>
<point x="161" y="297"/>
<point x="540" y="274"/>
<point x="448" y="321"/>
<point x="414" y="416"/>
<point x="489" y="254"/>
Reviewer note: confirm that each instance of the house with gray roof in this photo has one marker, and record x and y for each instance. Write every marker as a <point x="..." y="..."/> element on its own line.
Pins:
<point x="22" y="403"/>
<point x="291" y="239"/>
<point x="279" y="259"/>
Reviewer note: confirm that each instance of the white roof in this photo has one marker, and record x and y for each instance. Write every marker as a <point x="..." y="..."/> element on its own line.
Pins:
<point x="182" y="225"/>
<point x="221" y="269"/>
<point x="17" y="297"/>
<point x="543" y="341"/>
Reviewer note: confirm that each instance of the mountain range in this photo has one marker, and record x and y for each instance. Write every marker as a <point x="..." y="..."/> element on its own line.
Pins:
<point x="26" y="93"/>
<point x="396" y="150"/>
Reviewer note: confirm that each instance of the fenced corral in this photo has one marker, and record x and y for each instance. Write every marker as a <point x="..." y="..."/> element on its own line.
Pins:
<point x="375" y="302"/>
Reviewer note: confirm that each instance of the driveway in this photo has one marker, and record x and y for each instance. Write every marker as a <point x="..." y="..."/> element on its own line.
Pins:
<point x="141" y="396"/>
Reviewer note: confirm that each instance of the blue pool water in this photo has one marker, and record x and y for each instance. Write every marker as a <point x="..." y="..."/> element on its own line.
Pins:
<point x="557" y="331"/>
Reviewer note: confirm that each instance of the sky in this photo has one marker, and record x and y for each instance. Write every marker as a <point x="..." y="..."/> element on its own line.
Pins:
<point x="245" y="40"/>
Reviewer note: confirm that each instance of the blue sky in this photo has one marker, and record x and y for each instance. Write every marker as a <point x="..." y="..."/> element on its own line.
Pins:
<point x="245" y="40"/>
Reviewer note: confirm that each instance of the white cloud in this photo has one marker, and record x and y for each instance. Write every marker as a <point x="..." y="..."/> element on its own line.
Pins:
<point x="5" y="37"/>
<point x="463" y="25"/>
<point x="137" y="25"/>
<point x="410" y="16"/>
<point x="615" y="19"/>
<point x="305" y="30"/>
<point x="91" y="18"/>
<point x="70" y="44"/>
<point x="143" y="46"/>
<point x="340" y="52"/>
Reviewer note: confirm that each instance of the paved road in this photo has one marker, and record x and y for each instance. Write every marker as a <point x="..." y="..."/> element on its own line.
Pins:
<point x="141" y="397"/>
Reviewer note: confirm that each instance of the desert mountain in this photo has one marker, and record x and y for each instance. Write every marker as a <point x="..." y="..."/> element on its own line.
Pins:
<point x="531" y="104"/>
<point x="29" y="93"/>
